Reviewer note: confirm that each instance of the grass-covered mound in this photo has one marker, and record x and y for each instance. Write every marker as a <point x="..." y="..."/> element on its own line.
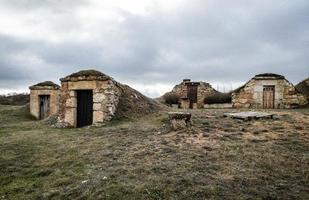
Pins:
<point x="47" y="83"/>
<point x="85" y="74"/>
<point x="269" y="75"/>
<point x="134" y="104"/>
<point x="303" y="87"/>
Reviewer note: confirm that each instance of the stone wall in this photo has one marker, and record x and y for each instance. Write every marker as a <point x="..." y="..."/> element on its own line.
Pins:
<point x="203" y="90"/>
<point x="184" y="103"/>
<point x="35" y="104"/>
<point x="251" y="94"/>
<point x="105" y="100"/>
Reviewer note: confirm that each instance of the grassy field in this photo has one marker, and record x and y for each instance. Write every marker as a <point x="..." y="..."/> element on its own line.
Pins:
<point x="218" y="158"/>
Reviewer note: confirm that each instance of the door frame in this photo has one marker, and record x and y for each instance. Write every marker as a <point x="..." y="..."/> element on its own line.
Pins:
<point x="192" y="101"/>
<point x="273" y="100"/>
<point x="47" y="112"/>
<point x="78" y="125"/>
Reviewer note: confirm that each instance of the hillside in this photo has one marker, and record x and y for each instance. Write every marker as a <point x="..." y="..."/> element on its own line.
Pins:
<point x="14" y="99"/>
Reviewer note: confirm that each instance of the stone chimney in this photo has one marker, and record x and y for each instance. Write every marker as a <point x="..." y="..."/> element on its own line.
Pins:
<point x="186" y="80"/>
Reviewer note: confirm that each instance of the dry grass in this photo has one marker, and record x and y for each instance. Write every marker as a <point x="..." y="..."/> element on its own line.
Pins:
<point x="218" y="158"/>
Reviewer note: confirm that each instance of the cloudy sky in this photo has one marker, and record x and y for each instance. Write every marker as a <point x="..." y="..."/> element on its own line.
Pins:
<point x="153" y="44"/>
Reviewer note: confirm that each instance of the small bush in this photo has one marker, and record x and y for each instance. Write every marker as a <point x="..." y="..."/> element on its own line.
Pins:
<point x="171" y="98"/>
<point x="218" y="98"/>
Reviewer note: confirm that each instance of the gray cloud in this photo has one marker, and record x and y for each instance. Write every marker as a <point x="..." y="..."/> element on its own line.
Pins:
<point x="215" y="41"/>
<point x="38" y="4"/>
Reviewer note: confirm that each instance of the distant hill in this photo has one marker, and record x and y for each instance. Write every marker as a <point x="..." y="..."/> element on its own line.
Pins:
<point x="14" y="99"/>
<point x="303" y="87"/>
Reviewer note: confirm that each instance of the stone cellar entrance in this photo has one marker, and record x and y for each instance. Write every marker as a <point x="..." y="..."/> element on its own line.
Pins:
<point x="84" y="107"/>
<point x="44" y="101"/>
<point x="88" y="97"/>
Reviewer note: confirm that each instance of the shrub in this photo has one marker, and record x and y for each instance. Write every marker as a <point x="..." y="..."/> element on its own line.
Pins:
<point x="218" y="98"/>
<point x="171" y="98"/>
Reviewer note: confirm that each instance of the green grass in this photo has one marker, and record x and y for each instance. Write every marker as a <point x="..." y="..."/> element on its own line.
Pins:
<point x="219" y="158"/>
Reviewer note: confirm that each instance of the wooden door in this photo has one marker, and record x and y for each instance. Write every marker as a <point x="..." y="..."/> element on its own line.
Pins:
<point x="44" y="106"/>
<point x="84" y="107"/>
<point x="192" y="94"/>
<point x="268" y="97"/>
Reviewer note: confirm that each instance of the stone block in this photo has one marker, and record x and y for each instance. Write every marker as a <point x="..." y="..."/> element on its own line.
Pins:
<point x="178" y="124"/>
<point x="179" y="120"/>
<point x="71" y="103"/>
<point x="72" y="93"/>
<point x="82" y="85"/>
<point x="98" y="97"/>
<point x="111" y="110"/>
<point x="97" y="90"/>
<point x="97" y="106"/>
<point x="70" y="116"/>
<point x="98" y="116"/>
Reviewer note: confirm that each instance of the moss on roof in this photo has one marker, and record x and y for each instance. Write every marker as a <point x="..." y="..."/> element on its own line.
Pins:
<point x="269" y="75"/>
<point x="45" y="83"/>
<point x="86" y="74"/>
<point x="90" y="72"/>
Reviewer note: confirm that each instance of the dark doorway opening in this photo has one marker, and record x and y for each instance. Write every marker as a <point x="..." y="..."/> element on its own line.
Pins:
<point x="192" y="94"/>
<point x="269" y="97"/>
<point x="44" y="106"/>
<point x="84" y="107"/>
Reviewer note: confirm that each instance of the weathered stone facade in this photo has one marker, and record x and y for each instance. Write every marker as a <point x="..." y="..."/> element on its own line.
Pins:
<point x="89" y="97"/>
<point x="105" y="97"/>
<point x="251" y="94"/>
<point x="185" y="103"/>
<point x="203" y="90"/>
<point x="47" y="88"/>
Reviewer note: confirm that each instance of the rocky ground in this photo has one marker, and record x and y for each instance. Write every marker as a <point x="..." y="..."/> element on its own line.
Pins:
<point x="217" y="158"/>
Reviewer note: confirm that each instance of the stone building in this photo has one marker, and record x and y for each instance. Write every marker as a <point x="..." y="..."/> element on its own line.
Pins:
<point x="267" y="91"/>
<point x="44" y="99"/>
<point x="192" y="94"/>
<point x="88" y="97"/>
